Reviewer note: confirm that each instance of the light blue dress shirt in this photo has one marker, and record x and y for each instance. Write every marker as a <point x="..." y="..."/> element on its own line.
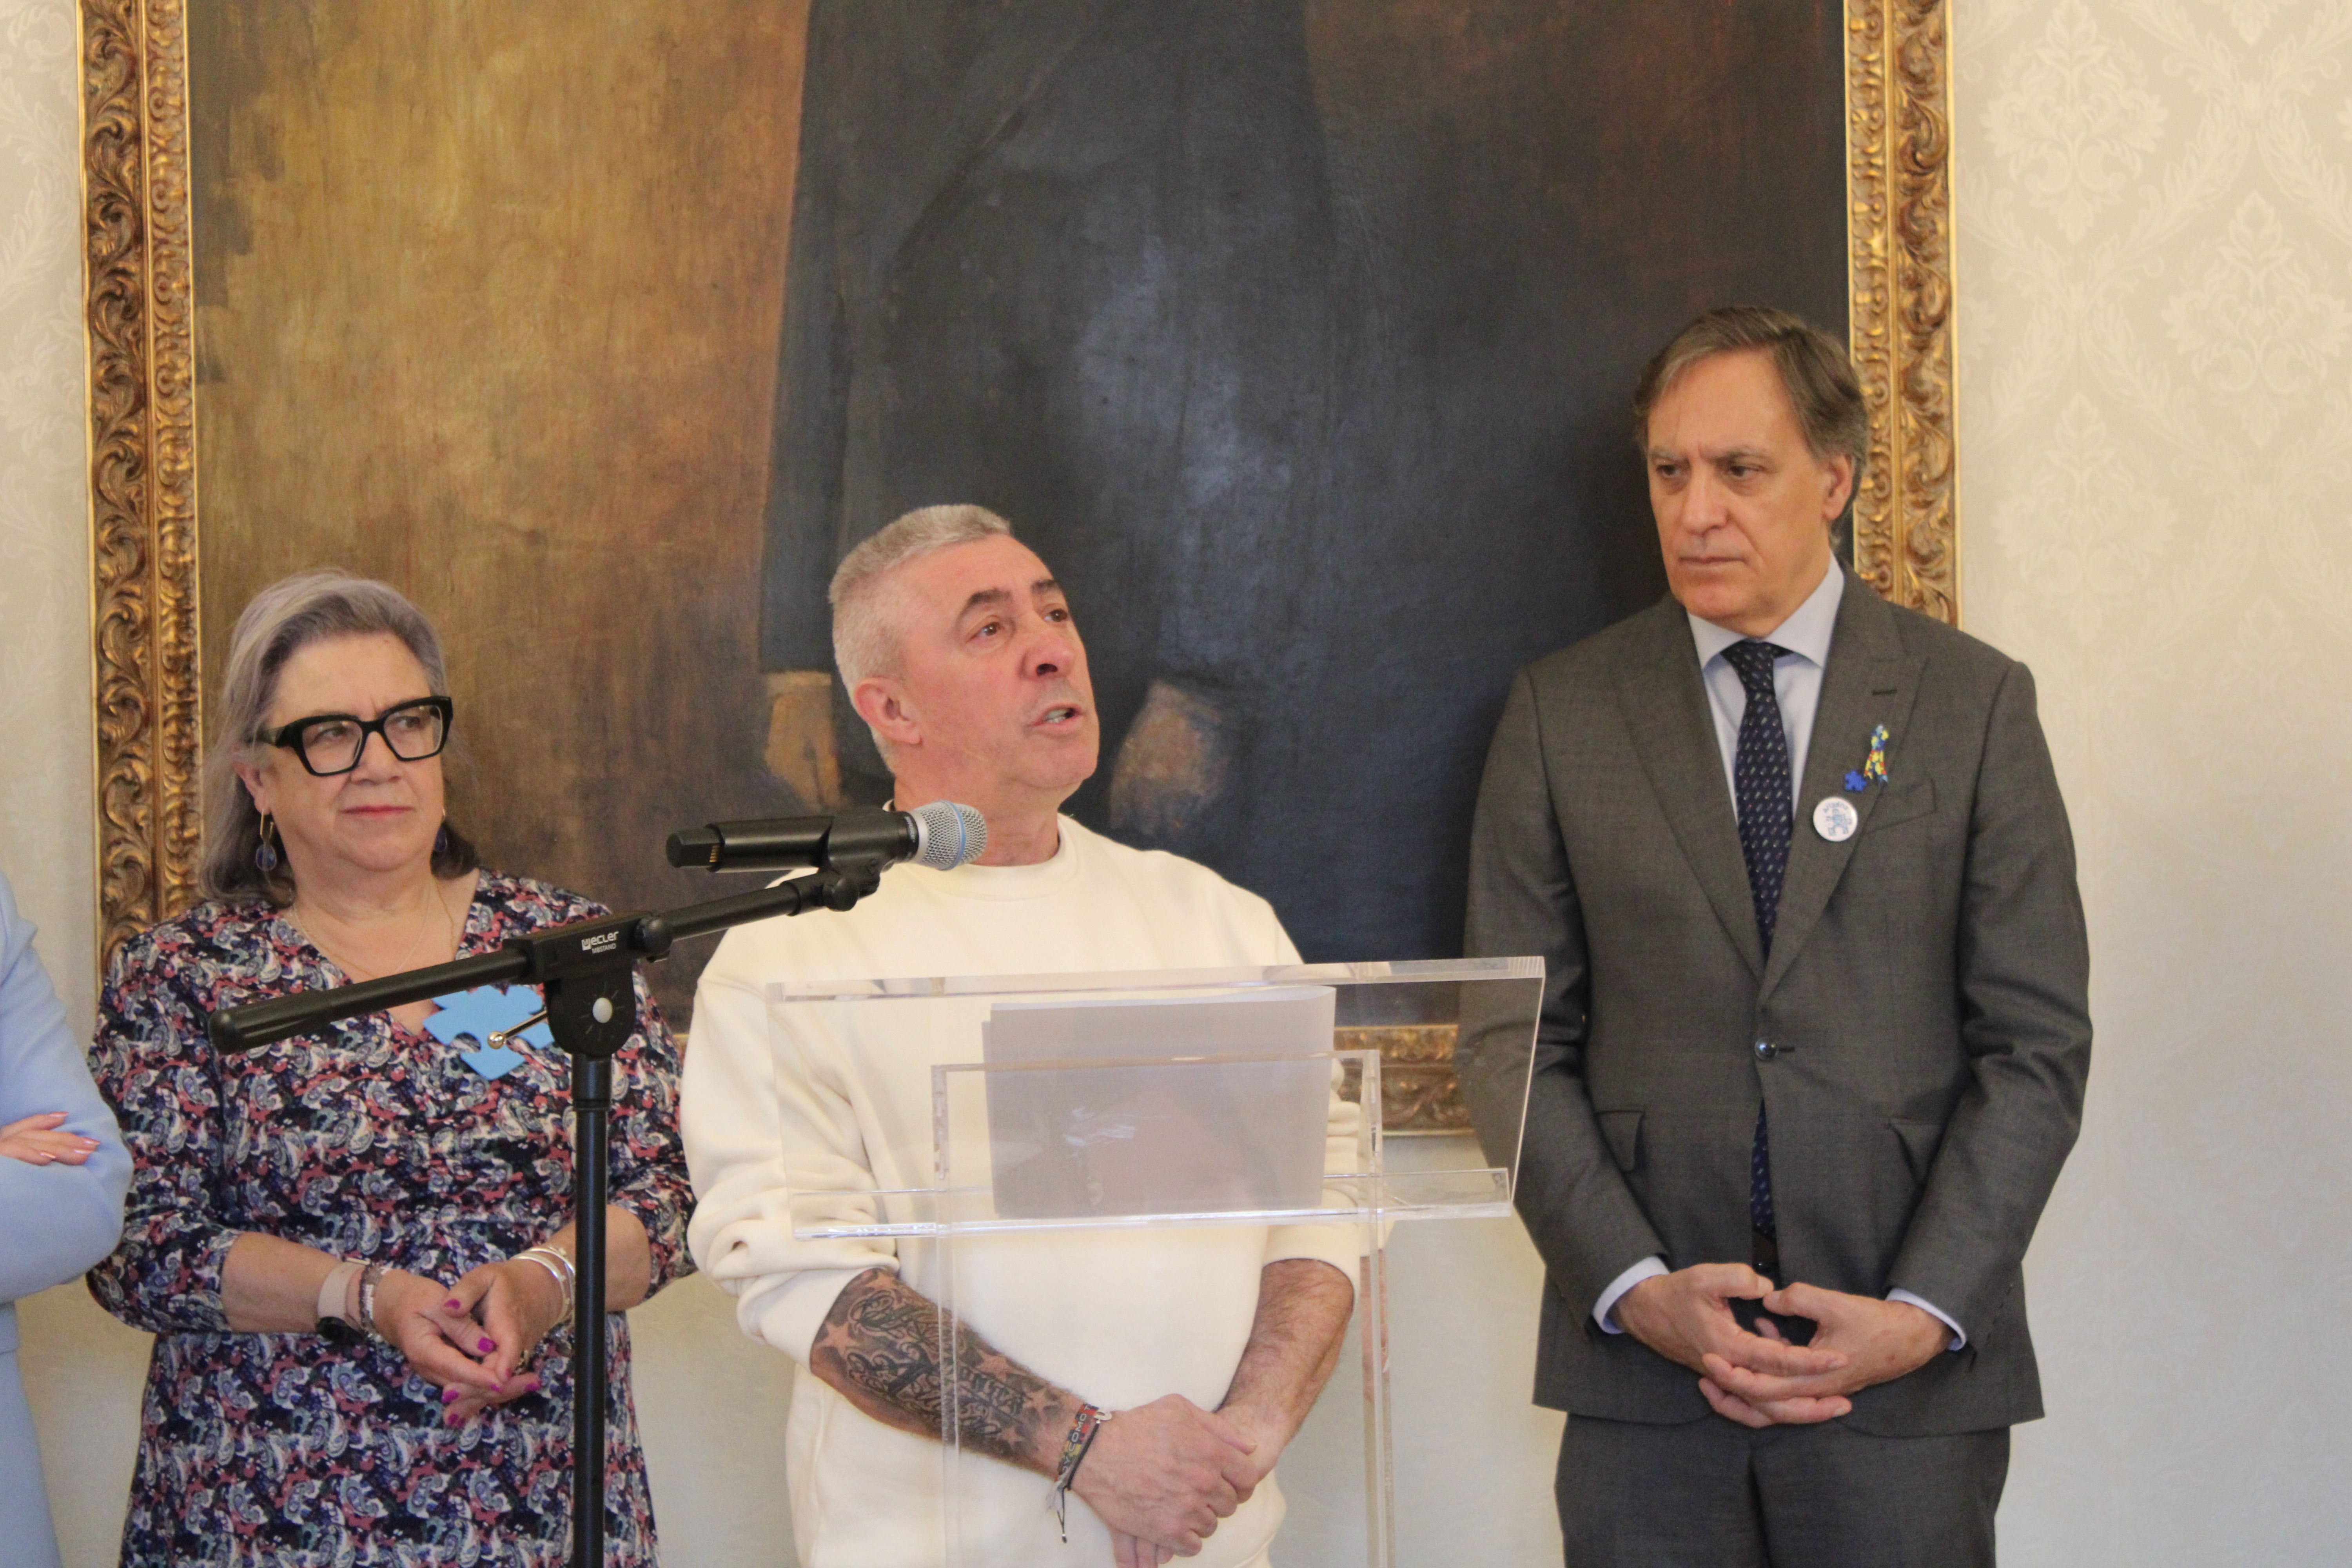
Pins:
<point x="1804" y="639"/>
<point x="1796" y="678"/>
<point x="55" y="1220"/>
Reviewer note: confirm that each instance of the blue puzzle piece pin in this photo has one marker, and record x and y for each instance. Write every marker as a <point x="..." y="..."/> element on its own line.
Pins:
<point x="479" y="1013"/>
<point x="1855" y="784"/>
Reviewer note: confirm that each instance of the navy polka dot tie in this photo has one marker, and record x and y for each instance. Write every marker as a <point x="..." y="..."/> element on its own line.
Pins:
<point x="1759" y="771"/>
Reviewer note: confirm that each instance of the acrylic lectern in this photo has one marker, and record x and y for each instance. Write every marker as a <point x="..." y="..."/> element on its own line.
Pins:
<point x="1090" y="1170"/>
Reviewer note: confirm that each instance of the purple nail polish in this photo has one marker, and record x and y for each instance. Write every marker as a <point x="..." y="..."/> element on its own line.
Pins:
<point x="448" y="1394"/>
<point x="485" y="1346"/>
<point x="452" y="1305"/>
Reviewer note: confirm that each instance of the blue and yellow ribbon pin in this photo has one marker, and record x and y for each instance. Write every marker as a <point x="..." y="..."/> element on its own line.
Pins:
<point x="1874" y="766"/>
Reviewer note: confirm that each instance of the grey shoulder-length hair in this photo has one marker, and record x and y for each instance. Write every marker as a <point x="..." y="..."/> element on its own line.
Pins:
<point x="281" y="620"/>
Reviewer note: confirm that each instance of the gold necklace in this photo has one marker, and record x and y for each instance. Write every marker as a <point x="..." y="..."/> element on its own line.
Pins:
<point x="448" y="925"/>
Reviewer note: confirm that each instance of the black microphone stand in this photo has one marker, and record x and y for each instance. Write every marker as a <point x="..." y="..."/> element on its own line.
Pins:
<point x="587" y="972"/>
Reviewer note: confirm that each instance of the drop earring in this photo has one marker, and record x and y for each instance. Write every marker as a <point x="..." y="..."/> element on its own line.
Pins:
<point x="441" y="842"/>
<point x="264" y="854"/>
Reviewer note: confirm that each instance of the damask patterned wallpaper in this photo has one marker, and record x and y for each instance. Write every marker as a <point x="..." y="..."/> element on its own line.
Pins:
<point x="45" y="724"/>
<point x="2156" y="448"/>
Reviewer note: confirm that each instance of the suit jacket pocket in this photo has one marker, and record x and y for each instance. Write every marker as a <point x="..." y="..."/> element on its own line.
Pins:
<point x="1621" y="1129"/>
<point x="1919" y="1140"/>
<point x="1902" y="801"/>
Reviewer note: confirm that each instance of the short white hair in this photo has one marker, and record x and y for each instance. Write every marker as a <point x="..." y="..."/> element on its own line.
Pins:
<point x="866" y="627"/>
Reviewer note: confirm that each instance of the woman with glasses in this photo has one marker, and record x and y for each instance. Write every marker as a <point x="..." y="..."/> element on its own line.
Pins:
<point x="355" y="1248"/>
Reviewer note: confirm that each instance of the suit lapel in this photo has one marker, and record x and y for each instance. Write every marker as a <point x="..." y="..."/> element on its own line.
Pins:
<point x="1665" y="709"/>
<point x="1870" y="681"/>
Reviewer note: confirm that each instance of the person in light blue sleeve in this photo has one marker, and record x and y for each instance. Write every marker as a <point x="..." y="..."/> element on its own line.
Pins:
<point x="63" y="1174"/>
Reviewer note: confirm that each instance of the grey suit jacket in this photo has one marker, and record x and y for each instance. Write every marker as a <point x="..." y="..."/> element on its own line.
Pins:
<point x="1926" y="1000"/>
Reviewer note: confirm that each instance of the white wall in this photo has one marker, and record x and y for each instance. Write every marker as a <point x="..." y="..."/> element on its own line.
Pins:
<point x="2155" y="288"/>
<point x="2156" y="268"/>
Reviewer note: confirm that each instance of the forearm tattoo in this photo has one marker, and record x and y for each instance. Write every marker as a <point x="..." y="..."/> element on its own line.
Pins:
<point x="880" y="1347"/>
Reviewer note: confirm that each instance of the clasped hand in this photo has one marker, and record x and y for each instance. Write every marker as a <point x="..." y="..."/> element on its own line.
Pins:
<point x="1162" y="1474"/>
<point x="42" y="1141"/>
<point x="1761" y="1379"/>
<point x="471" y="1340"/>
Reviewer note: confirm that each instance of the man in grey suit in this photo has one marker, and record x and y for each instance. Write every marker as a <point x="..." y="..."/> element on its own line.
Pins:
<point x="1815" y="1028"/>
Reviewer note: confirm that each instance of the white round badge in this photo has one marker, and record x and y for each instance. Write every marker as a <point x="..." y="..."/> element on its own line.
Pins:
<point x="1835" y="818"/>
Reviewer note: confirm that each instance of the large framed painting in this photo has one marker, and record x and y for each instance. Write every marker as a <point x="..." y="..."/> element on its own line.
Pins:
<point x="1297" y="335"/>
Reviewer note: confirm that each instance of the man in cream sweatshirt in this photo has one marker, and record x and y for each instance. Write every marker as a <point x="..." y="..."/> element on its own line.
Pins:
<point x="1204" y="1347"/>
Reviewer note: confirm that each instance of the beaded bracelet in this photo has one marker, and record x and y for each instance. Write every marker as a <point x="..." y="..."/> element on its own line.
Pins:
<point x="1075" y="1447"/>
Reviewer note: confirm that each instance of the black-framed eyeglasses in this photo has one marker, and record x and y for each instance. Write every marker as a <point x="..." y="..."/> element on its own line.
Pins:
<point x="330" y="743"/>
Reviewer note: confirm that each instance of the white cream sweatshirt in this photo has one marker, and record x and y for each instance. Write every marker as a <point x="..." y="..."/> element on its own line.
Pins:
<point x="827" y="1099"/>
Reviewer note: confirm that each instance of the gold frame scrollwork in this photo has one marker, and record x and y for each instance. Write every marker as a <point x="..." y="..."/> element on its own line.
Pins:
<point x="1899" y="298"/>
<point x="138" y="301"/>
<point x="139" y="312"/>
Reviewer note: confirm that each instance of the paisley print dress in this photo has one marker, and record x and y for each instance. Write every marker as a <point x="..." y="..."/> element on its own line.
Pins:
<point x="373" y="1141"/>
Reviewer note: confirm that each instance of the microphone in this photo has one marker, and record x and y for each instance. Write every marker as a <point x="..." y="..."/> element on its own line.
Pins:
<point x="941" y="836"/>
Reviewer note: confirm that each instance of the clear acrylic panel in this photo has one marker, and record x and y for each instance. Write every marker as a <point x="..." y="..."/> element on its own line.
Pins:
<point x="1090" y="1173"/>
<point x="874" y="1042"/>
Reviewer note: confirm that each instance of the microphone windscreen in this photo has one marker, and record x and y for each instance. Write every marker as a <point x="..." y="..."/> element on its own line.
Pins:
<point x="949" y="834"/>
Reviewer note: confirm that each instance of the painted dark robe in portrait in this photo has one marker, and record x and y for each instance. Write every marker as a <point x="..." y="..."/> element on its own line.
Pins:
<point x="1296" y="338"/>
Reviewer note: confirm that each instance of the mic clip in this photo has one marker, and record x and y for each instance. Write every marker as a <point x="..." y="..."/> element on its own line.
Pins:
<point x="850" y="879"/>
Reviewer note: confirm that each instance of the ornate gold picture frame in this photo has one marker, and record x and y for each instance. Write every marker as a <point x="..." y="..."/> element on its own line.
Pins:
<point x="140" y="311"/>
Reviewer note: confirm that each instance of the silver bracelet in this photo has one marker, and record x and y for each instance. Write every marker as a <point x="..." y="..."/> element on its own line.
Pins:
<point x="559" y="1268"/>
<point x="370" y="1277"/>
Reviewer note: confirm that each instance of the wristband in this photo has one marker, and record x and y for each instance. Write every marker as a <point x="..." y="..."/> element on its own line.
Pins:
<point x="1075" y="1447"/>
<point x="335" y="1292"/>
